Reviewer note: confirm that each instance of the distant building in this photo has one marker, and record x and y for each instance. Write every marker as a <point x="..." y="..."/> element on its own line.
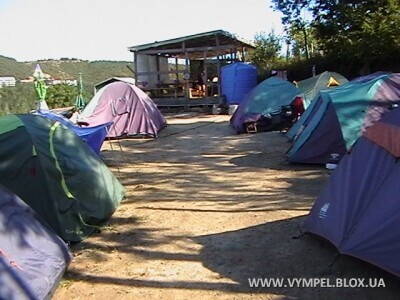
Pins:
<point x="52" y="81"/>
<point x="7" y="81"/>
<point x="29" y="79"/>
<point x="55" y="81"/>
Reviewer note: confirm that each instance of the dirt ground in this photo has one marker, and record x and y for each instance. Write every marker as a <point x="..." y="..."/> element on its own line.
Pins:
<point x="205" y="210"/>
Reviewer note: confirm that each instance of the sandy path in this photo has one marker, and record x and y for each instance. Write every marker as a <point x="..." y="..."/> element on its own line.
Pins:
<point x="205" y="210"/>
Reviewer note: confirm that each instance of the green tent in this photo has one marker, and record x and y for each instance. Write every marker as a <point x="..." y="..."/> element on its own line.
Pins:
<point x="56" y="173"/>
<point x="311" y="86"/>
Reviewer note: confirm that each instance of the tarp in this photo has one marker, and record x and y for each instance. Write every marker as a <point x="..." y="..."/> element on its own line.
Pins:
<point x="310" y="87"/>
<point x="93" y="136"/>
<point x="32" y="257"/>
<point x="267" y="98"/>
<point x="355" y="106"/>
<point x="130" y="109"/>
<point x="359" y="211"/>
<point x="237" y="80"/>
<point x="55" y="172"/>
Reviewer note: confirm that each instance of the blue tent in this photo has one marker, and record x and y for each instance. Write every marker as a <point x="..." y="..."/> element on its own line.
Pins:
<point x="32" y="257"/>
<point x="359" y="209"/>
<point x="93" y="136"/>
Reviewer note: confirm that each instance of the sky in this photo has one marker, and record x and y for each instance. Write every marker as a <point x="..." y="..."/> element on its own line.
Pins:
<point x="104" y="29"/>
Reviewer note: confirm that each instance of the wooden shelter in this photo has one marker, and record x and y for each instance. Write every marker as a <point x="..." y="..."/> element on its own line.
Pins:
<point x="186" y="70"/>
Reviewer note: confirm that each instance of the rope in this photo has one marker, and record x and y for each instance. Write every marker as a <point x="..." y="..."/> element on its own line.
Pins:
<point x="11" y="262"/>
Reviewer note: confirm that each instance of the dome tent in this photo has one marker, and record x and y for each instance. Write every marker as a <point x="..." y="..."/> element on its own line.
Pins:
<point x="339" y="116"/>
<point x="359" y="211"/>
<point x="130" y="109"/>
<point x="267" y="98"/>
<point x="310" y="87"/>
<point x="33" y="258"/>
<point x="57" y="174"/>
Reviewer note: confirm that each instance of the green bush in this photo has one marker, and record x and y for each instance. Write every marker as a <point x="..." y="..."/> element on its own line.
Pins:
<point x="18" y="99"/>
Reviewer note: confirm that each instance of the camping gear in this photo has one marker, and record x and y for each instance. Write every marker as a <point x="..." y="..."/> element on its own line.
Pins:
<point x="311" y="86"/>
<point x="132" y="112"/>
<point x="93" y="136"/>
<point x="339" y="116"/>
<point x="237" y="80"/>
<point x="359" y="211"/>
<point x="40" y="88"/>
<point x="263" y="103"/>
<point x="56" y="173"/>
<point x="32" y="257"/>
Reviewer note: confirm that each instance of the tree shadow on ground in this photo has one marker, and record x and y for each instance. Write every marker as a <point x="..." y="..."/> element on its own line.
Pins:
<point x="280" y="253"/>
<point x="186" y="172"/>
<point x="270" y="250"/>
<point x="173" y="175"/>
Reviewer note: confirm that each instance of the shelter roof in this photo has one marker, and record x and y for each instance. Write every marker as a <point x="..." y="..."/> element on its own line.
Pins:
<point x="194" y="44"/>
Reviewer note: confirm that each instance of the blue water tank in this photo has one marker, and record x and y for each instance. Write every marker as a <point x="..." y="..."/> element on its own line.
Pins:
<point x="237" y="80"/>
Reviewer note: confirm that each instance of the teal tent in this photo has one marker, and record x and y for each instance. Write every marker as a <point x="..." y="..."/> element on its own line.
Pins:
<point x="54" y="171"/>
<point x="337" y="118"/>
<point x="266" y="99"/>
<point x="311" y="88"/>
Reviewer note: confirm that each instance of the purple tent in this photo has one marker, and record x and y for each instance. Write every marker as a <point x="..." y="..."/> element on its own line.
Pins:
<point x="130" y="109"/>
<point x="32" y="257"/>
<point x="359" y="210"/>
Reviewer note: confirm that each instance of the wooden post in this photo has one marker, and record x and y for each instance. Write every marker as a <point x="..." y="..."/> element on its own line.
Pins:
<point x="187" y="74"/>
<point x="177" y="77"/>
<point x="218" y="67"/>
<point x="176" y="69"/>
<point x="158" y="69"/>
<point x="135" y="64"/>
<point x="205" y="74"/>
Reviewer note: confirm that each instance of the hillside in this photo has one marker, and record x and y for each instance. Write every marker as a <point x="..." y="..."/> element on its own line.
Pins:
<point x="93" y="72"/>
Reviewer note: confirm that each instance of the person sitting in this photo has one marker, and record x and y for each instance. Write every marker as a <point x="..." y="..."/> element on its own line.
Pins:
<point x="298" y="108"/>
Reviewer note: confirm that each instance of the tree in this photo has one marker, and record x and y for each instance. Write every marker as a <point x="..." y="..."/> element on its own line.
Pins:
<point x="18" y="99"/>
<point x="363" y="30"/>
<point x="303" y="41"/>
<point x="61" y="95"/>
<point x="267" y="50"/>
